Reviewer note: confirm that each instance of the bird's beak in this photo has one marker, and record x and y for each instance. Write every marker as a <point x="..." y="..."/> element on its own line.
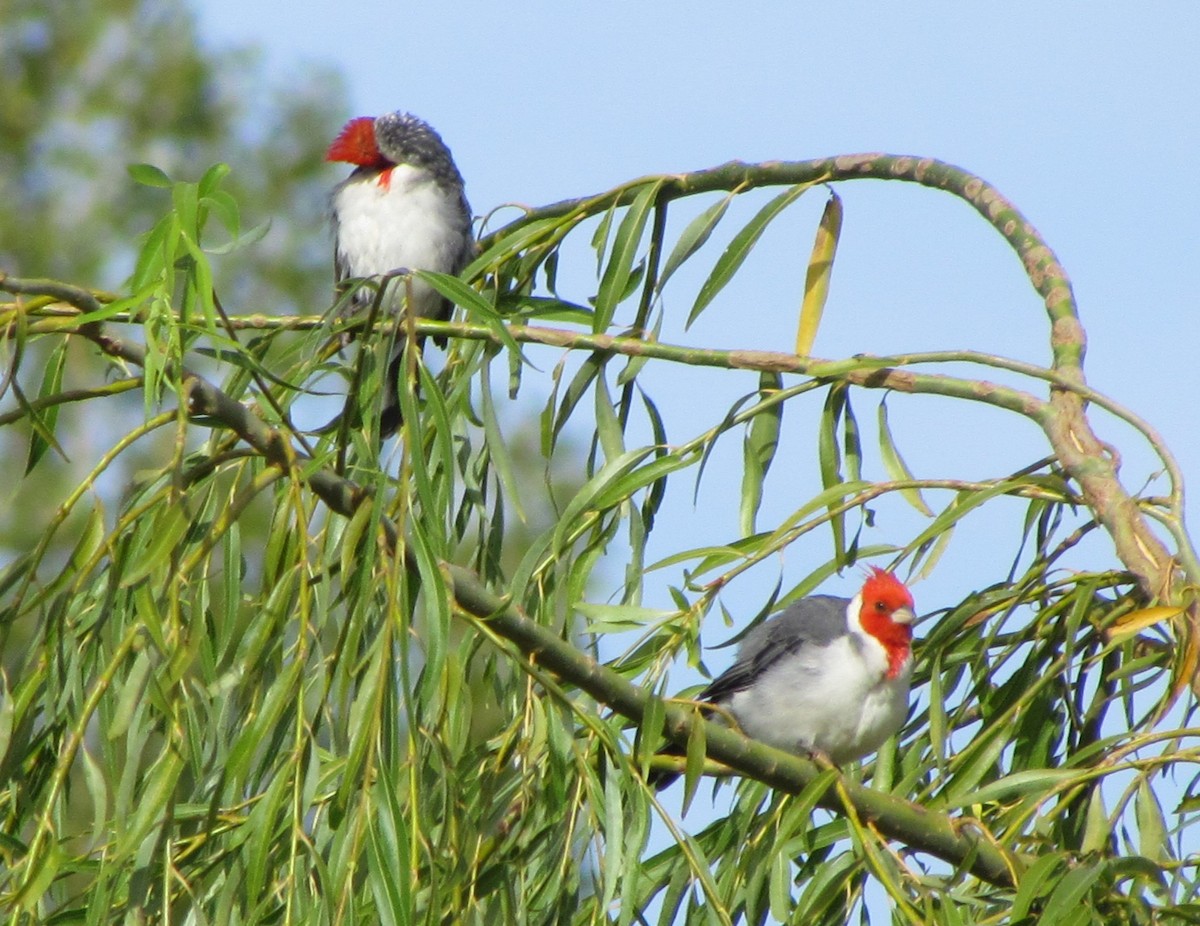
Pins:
<point x="904" y="616"/>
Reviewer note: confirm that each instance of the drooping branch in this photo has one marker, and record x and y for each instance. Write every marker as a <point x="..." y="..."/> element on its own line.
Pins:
<point x="934" y="833"/>
<point x="1081" y="453"/>
<point x="1084" y="457"/>
<point x="927" y="831"/>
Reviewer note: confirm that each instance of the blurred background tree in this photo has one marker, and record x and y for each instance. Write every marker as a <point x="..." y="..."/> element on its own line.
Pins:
<point x="88" y="89"/>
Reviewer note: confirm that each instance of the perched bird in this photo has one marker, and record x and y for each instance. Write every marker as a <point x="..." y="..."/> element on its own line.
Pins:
<point x="402" y="208"/>
<point x="828" y="675"/>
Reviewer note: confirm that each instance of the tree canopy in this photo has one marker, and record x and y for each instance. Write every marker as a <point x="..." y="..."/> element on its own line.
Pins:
<point x="251" y="673"/>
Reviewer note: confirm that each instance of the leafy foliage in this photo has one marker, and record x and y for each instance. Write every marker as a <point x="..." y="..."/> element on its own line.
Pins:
<point x="373" y="711"/>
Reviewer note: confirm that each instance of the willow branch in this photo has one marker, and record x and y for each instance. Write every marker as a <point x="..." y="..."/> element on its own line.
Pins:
<point x="895" y="818"/>
<point x="1066" y="426"/>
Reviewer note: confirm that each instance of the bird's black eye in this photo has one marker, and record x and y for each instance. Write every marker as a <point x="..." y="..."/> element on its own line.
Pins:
<point x="880" y="606"/>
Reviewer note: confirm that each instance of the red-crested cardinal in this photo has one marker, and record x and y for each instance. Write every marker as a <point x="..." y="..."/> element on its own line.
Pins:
<point x="403" y="208"/>
<point x="827" y="676"/>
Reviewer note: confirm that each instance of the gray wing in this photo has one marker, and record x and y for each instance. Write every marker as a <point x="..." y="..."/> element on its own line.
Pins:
<point x="818" y="620"/>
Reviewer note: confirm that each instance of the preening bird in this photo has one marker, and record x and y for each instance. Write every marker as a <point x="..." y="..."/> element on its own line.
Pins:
<point x="402" y="208"/>
<point x="827" y="675"/>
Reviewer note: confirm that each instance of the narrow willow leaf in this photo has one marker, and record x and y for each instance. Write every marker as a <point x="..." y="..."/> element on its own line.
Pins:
<point x="650" y="733"/>
<point x="608" y="424"/>
<point x="658" y="491"/>
<point x="228" y="214"/>
<point x="623" y="255"/>
<point x="130" y="695"/>
<point x="829" y="889"/>
<point x="200" y="283"/>
<point x="820" y="269"/>
<point x="42" y="872"/>
<point x="592" y="367"/>
<point x="477" y="306"/>
<point x="600" y="235"/>
<point x="387" y="855"/>
<point x="517" y="242"/>
<point x="830" y="462"/>
<point x="614" y="837"/>
<point x="1042" y="873"/>
<point x="1097" y="831"/>
<point x="697" y="752"/>
<point x="1136" y="621"/>
<point x="977" y="762"/>
<point x="962" y="505"/>
<point x="160" y="541"/>
<point x="1068" y="897"/>
<point x="498" y="447"/>
<point x="895" y="465"/>
<point x="154" y="801"/>
<point x="7" y="716"/>
<point x="740" y="247"/>
<point x="1018" y="784"/>
<point x="588" y="494"/>
<point x="658" y="468"/>
<point x="619" y="617"/>
<point x="42" y="437"/>
<point x="851" y="442"/>
<point x="97" y="786"/>
<point x="780" y="886"/>
<point x="758" y="451"/>
<point x="634" y="365"/>
<point x="353" y="537"/>
<point x="1152" y="827"/>
<point x="929" y="557"/>
<point x="693" y="237"/>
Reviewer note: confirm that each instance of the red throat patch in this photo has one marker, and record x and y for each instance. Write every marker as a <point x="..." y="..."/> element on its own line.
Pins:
<point x="356" y="145"/>
<point x="882" y="595"/>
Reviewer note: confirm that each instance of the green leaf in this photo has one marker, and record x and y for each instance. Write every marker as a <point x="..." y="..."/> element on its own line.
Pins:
<point x="498" y="448"/>
<point x="211" y="182"/>
<point x="895" y="465"/>
<point x="591" y="492"/>
<point x="159" y="541"/>
<point x="693" y="237"/>
<point x="1152" y="827"/>
<point x="1043" y="872"/>
<point x="42" y="437"/>
<point x="697" y="752"/>
<point x="740" y="247"/>
<point x="830" y="462"/>
<point x="1064" y="904"/>
<point x="149" y="175"/>
<point x="387" y="855"/>
<point x="1098" y="830"/>
<point x="478" y="308"/>
<point x="1018" y="784"/>
<point x="621" y="258"/>
<point x="615" y="618"/>
<point x="758" y="451"/>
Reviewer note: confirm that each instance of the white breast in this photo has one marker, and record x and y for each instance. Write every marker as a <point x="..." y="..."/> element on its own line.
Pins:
<point x="836" y="699"/>
<point x="408" y="224"/>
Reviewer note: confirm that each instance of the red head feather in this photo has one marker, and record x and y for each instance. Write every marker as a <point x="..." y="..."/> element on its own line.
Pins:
<point x="887" y="615"/>
<point x="356" y="145"/>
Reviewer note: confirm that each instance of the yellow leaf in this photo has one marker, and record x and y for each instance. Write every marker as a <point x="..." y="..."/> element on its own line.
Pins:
<point x="820" y="268"/>
<point x="1128" y="624"/>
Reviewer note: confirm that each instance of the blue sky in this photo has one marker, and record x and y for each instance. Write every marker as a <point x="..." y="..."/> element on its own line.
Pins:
<point x="1086" y="115"/>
